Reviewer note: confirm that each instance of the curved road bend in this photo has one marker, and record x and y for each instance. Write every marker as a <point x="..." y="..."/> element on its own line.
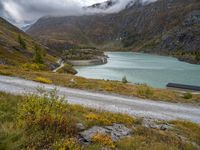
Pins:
<point x="115" y="103"/>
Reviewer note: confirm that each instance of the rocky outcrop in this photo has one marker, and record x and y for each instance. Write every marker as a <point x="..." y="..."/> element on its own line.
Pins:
<point x="117" y="131"/>
<point x="185" y="37"/>
<point x="149" y="123"/>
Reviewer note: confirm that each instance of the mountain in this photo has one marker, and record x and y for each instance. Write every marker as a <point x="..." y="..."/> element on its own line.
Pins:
<point x="103" y="6"/>
<point x="26" y="26"/>
<point x="17" y="48"/>
<point x="169" y="27"/>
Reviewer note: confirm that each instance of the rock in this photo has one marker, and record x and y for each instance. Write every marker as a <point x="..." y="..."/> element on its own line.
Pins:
<point x="117" y="131"/>
<point x="54" y="66"/>
<point x="2" y="62"/>
<point x="88" y="134"/>
<point x="149" y="123"/>
<point x="80" y="126"/>
<point x="72" y="81"/>
<point x="165" y="127"/>
<point x="192" y="18"/>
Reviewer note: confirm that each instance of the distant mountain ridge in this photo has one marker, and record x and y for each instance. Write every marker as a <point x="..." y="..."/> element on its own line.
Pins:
<point x="164" y="27"/>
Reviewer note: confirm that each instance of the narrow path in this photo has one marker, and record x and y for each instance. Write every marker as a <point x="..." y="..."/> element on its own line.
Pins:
<point x="61" y="63"/>
<point x="129" y="105"/>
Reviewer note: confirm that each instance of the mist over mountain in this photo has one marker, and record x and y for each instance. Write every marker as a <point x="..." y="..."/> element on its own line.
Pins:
<point x="114" y="6"/>
<point x="22" y="11"/>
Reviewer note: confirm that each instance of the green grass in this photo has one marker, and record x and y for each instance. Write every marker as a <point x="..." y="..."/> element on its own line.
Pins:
<point x="48" y="122"/>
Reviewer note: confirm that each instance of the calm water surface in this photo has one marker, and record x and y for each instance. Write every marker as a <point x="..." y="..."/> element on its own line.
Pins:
<point x="153" y="70"/>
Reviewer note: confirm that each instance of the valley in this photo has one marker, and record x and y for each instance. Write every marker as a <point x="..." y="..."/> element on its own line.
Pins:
<point x="80" y="75"/>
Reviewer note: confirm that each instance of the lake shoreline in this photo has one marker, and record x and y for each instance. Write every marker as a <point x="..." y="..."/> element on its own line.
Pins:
<point x="143" y="68"/>
<point x="91" y="62"/>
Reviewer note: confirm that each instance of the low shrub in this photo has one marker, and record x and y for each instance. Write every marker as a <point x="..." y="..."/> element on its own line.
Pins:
<point x="66" y="144"/>
<point x="43" y="80"/>
<point x="124" y="80"/>
<point x="187" y="96"/>
<point x="47" y="118"/>
<point x="107" y="118"/>
<point x="144" y="91"/>
<point x="33" y="66"/>
<point x="104" y="140"/>
<point x="97" y="119"/>
<point x="5" y="73"/>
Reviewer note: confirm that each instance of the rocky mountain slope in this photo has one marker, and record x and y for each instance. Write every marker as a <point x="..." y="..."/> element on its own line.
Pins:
<point x="17" y="48"/>
<point x="164" y="27"/>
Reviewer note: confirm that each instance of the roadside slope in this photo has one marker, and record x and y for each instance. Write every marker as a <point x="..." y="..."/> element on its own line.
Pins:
<point x="129" y="105"/>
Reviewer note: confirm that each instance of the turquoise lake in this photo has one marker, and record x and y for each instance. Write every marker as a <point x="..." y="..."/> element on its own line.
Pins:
<point x="153" y="70"/>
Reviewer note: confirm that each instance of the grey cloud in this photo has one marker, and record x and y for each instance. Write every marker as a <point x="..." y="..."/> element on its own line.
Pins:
<point x="20" y="12"/>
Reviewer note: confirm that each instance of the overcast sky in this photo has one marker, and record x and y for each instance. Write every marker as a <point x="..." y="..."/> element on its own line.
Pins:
<point x="21" y="11"/>
<point x="27" y="10"/>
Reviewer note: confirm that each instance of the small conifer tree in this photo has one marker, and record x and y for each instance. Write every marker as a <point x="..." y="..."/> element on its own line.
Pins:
<point x="124" y="80"/>
<point x="22" y="42"/>
<point x="38" y="58"/>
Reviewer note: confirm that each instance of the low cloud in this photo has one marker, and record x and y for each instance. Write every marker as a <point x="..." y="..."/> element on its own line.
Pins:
<point x="21" y="12"/>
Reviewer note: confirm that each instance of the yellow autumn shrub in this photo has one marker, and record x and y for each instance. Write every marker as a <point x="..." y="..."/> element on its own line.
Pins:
<point x="66" y="144"/>
<point x="43" y="80"/>
<point x="104" y="140"/>
<point x="33" y="66"/>
<point x="98" y="119"/>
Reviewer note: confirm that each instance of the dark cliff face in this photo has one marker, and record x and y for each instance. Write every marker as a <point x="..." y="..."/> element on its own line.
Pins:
<point x="162" y="26"/>
<point x="185" y="36"/>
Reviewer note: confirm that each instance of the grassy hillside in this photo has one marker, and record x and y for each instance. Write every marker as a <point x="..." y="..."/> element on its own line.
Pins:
<point x="48" y="122"/>
<point x="19" y="49"/>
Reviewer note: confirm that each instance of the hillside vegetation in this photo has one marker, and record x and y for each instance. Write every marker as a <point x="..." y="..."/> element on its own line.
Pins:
<point x="49" y="122"/>
<point x="20" y="50"/>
